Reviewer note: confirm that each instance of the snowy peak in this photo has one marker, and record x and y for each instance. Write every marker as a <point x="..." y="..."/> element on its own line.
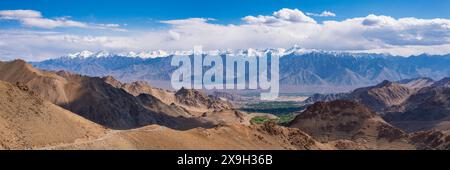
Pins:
<point x="102" y="54"/>
<point x="82" y="54"/>
<point x="87" y="54"/>
<point x="295" y="50"/>
<point x="153" y="54"/>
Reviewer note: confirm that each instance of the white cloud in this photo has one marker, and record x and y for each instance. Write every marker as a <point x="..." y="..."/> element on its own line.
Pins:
<point x="283" y="16"/>
<point x="285" y="28"/>
<point x="187" y="21"/>
<point x="18" y="14"/>
<point x="33" y="18"/>
<point x="323" y="14"/>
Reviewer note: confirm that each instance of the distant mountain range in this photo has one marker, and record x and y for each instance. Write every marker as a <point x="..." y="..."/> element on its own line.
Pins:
<point x="300" y="70"/>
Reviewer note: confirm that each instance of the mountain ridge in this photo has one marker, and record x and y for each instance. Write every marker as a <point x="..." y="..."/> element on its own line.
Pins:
<point x="313" y="71"/>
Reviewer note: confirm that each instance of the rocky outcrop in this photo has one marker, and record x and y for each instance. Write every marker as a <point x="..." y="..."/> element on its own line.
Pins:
<point x="195" y="98"/>
<point x="347" y="120"/>
<point x="382" y="96"/>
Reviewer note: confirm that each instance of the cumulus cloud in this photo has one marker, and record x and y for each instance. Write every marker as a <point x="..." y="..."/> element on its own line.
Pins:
<point x="283" y="16"/>
<point x="323" y="14"/>
<point x="402" y="31"/>
<point x="33" y="18"/>
<point x="284" y="28"/>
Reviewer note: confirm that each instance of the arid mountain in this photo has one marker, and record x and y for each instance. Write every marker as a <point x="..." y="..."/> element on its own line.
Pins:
<point x="427" y="109"/>
<point x="154" y="104"/>
<point x="349" y="121"/>
<point x="381" y="96"/>
<point x="188" y="103"/>
<point x="182" y="97"/>
<point x="259" y="137"/>
<point x="412" y="104"/>
<point x="416" y="83"/>
<point x="96" y="100"/>
<point x="215" y="110"/>
<point x="117" y="105"/>
<point x="104" y="113"/>
<point x="432" y="139"/>
<point x="445" y="82"/>
<point x="27" y="121"/>
<point x="195" y="98"/>
<point x="92" y="98"/>
<point x="142" y="87"/>
<point x="48" y="85"/>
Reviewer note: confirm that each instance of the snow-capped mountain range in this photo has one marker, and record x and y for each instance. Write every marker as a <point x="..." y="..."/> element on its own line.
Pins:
<point x="246" y="52"/>
<point x="301" y="70"/>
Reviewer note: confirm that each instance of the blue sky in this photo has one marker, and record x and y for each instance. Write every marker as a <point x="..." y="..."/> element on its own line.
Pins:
<point x="39" y="29"/>
<point x="138" y="12"/>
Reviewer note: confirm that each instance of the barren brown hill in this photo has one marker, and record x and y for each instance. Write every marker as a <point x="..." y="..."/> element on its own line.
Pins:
<point x="117" y="105"/>
<point x="416" y="83"/>
<point x="427" y="109"/>
<point x="48" y="85"/>
<point x="382" y="96"/>
<point x="142" y="87"/>
<point x="432" y="139"/>
<point x="185" y="102"/>
<point x="195" y="98"/>
<point x="96" y="100"/>
<point x="348" y="120"/>
<point x="260" y="137"/>
<point x="91" y="97"/>
<point x="27" y="121"/>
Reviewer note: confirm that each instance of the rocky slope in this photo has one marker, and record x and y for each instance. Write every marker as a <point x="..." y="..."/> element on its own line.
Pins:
<point x="432" y="139"/>
<point x="411" y="104"/>
<point x="27" y="121"/>
<point x="119" y="116"/>
<point x="142" y="87"/>
<point x="188" y="103"/>
<point x="256" y="137"/>
<point x="416" y="83"/>
<point x="349" y="121"/>
<point x="427" y="109"/>
<point x="48" y="85"/>
<point x="381" y="96"/>
<point x="99" y="101"/>
<point x="198" y="99"/>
